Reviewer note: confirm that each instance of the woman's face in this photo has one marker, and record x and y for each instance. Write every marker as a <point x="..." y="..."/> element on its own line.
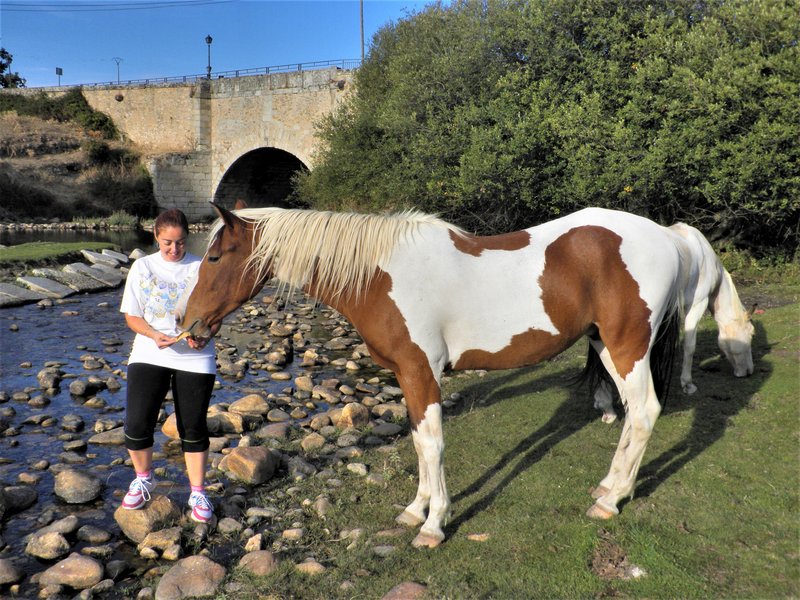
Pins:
<point x="171" y="243"/>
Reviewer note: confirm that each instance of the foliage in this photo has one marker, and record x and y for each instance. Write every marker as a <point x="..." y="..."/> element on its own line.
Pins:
<point x="499" y="115"/>
<point x="71" y="106"/>
<point x="112" y="189"/>
<point x="25" y="201"/>
<point x="9" y="79"/>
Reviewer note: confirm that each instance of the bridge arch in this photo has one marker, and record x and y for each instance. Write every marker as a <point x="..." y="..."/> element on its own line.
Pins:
<point x="260" y="177"/>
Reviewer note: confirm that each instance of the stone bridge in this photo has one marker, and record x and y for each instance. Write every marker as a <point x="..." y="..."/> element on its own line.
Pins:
<point x="224" y="138"/>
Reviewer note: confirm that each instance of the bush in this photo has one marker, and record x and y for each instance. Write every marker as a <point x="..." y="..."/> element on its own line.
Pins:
<point x="504" y="114"/>
<point x="71" y="106"/>
<point x="27" y="202"/>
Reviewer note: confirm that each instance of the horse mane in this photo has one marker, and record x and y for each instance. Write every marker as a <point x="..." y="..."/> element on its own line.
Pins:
<point x="336" y="252"/>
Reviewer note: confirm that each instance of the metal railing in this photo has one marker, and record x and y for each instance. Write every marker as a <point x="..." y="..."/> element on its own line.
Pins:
<point x="345" y="64"/>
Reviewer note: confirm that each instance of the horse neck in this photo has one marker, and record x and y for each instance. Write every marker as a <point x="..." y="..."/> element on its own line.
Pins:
<point x="726" y="304"/>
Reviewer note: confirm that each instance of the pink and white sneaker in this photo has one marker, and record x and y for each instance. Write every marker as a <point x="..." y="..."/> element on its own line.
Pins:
<point x="202" y="511"/>
<point x="138" y="493"/>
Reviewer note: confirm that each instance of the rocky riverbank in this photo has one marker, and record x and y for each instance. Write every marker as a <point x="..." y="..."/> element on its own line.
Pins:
<point x="277" y="459"/>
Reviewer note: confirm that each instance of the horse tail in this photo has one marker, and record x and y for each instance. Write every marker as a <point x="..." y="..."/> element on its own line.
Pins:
<point x="662" y="356"/>
<point x="662" y="359"/>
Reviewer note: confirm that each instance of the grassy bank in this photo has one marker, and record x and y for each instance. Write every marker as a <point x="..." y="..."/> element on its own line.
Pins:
<point x="715" y="514"/>
<point x="16" y="260"/>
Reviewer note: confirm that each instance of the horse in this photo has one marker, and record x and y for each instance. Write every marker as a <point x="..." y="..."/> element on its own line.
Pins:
<point x="709" y="286"/>
<point x="426" y="297"/>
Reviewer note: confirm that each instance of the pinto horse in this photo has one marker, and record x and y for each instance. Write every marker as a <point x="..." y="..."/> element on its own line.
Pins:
<point x="425" y="296"/>
<point x="708" y="286"/>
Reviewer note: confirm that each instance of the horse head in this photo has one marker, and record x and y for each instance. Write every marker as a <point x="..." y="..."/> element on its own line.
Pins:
<point x="225" y="280"/>
<point x="735" y="341"/>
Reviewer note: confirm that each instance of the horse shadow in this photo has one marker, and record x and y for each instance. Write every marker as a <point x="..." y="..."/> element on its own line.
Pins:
<point x="720" y="396"/>
<point x="572" y="415"/>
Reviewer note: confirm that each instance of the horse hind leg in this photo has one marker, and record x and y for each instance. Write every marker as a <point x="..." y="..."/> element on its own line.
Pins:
<point x="642" y="410"/>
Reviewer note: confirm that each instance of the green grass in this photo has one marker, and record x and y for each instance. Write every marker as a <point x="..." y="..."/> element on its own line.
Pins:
<point x="46" y="252"/>
<point x="715" y="514"/>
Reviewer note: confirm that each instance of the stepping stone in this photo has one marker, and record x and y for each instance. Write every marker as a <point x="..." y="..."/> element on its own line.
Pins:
<point x="96" y="257"/>
<point x="117" y="256"/>
<point x="14" y="295"/>
<point x="111" y="278"/>
<point x="79" y="283"/>
<point x="43" y="285"/>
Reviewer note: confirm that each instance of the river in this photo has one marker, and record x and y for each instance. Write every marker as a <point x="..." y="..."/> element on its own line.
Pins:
<point x="90" y="325"/>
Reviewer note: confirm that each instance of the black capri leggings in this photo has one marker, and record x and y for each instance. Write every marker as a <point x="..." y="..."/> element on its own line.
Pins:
<point x="147" y="388"/>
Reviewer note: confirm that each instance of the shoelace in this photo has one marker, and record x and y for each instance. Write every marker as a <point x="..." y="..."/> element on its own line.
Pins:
<point x="201" y="501"/>
<point x="140" y="485"/>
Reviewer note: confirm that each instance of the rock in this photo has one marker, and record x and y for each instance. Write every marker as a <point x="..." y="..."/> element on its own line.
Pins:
<point x="259" y="563"/>
<point x="253" y="465"/>
<point x="252" y="404"/>
<point x="310" y="567"/>
<point x="387" y="429"/>
<point x="47" y="546"/>
<point x="93" y="535"/>
<point x="9" y="572"/>
<point x="359" y="469"/>
<point x="113" y="437"/>
<point x="277" y="415"/>
<point x="156" y="514"/>
<point x="226" y="422"/>
<point x="170" y="427"/>
<point x="390" y="410"/>
<point x="353" y="415"/>
<point x="191" y="577"/>
<point x="77" y="487"/>
<point x="278" y="431"/>
<point x="304" y="383"/>
<point x="76" y="571"/>
<point x="408" y="590"/>
<point x="313" y="441"/>
<point x="161" y="539"/>
<point x="17" y="498"/>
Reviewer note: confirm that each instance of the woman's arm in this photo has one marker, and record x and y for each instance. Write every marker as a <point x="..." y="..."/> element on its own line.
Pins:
<point x="142" y="327"/>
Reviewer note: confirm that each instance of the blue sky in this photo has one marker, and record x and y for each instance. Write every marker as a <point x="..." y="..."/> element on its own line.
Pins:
<point x="164" y="38"/>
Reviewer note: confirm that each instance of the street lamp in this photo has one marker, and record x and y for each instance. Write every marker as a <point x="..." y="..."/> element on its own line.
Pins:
<point x="117" y="60"/>
<point x="209" y="39"/>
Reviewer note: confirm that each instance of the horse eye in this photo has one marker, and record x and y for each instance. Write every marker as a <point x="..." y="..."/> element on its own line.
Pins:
<point x="213" y="259"/>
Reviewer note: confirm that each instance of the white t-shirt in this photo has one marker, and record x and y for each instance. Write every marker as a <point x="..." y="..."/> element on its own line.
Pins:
<point x="152" y="291"/>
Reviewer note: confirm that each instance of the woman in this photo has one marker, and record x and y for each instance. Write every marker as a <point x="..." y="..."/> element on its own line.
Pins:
<point x="159" y="361"/>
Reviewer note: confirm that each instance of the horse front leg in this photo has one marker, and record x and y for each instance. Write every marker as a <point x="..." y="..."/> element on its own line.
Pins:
<point x="425" y="412"/>
<point x="690" y="343"/>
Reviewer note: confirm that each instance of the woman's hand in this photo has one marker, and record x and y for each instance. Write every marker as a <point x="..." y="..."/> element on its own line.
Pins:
<point x="140" y="326"/>
<point x="162" y="340"/>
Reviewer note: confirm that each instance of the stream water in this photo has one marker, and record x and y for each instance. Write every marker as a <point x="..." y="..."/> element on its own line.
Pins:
<point x="90" y="325"/>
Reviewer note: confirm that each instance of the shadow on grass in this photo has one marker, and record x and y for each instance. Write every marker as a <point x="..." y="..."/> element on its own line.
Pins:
<point x="720" y="396"/>
<point x="570" y="417"/>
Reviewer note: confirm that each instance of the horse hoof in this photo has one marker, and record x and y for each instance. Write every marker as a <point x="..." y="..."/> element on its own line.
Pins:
<point x="689" y="389"/>
<point x="599" y="492"/>
<point x="609" y="418"/>
<point x="407" y="519"/>
<point x="598" y="512"/>
<point x="427" y="540"/>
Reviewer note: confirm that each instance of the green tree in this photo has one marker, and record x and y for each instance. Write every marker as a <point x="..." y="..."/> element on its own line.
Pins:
<point x="504" y="113"/>
<point x="7" y="78"/>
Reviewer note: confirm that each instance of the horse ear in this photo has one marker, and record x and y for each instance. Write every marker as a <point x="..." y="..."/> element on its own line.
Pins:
<point x="227" y="216"/>
<point x="239" y="204"/>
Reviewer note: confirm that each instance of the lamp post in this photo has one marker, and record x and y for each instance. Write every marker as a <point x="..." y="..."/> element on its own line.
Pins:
<point x="117" y="60"/>
<point x="209" y="39"/>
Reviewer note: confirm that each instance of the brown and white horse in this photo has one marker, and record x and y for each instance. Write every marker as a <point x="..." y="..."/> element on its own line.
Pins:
<point x="425" y="297"/>
<point x="708" y="286"/>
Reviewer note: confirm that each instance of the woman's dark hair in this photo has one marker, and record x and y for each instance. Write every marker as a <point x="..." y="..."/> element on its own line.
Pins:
<point x="171" y="218"/>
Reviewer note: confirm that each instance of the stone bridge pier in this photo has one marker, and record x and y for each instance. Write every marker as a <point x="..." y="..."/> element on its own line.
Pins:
<point x="227" y="138"/>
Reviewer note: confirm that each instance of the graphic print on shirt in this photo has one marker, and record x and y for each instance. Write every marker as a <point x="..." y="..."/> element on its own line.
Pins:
<point x="161" y="297"/>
